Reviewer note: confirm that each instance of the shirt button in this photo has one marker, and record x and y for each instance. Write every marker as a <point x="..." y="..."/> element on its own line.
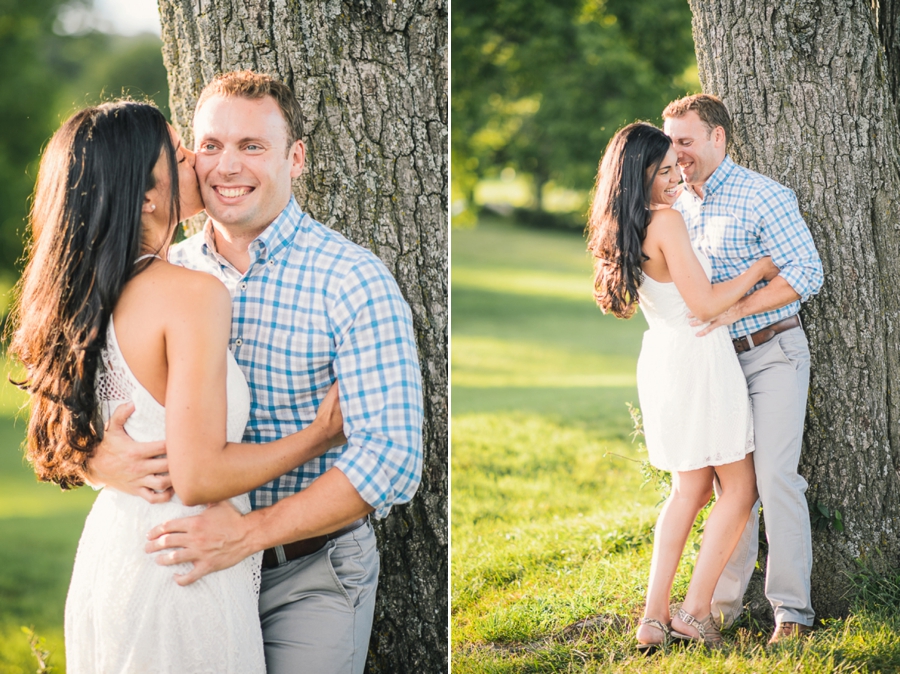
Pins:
<point x="243" y="286"/>
<point x="238" y="341"/>
<point x="271" y="261"/>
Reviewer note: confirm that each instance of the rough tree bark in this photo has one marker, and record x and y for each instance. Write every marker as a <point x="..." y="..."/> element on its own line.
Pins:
<point x="371" y="78"/>
<point x="812" y="87"/>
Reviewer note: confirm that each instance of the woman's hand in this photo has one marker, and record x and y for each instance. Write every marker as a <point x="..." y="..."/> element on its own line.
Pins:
<point x="329" y="419"/>
<point x="767" y="269"/>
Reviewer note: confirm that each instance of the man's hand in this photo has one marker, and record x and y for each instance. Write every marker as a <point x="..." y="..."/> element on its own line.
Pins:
<point x="777" y="294"/>
<point x="727" y="317"/>
<point x="136" y="468"/>
<point x="213" y="540"/>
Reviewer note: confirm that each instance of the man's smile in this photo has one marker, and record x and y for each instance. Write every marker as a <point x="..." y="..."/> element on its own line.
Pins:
<point x="232" y="192"/>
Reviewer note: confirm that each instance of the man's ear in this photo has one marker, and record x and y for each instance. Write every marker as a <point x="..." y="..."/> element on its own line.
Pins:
<point x="298" y="158"/>
<point x="719" y="136"/>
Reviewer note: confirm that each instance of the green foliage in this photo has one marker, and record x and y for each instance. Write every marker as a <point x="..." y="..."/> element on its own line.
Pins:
<point x="660" y="479"/>
<point x="46" y="77"/>
<point x="821" y="517"/>
<point x="27" y="111"/>
<point x="98" y="67"/>
<point x="541" y="86"/>
<point x="38" y="646"/>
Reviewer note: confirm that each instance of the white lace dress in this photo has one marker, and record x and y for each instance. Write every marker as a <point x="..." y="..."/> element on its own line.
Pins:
<point x="693" y="395"/>
<point x="124" y="612"/>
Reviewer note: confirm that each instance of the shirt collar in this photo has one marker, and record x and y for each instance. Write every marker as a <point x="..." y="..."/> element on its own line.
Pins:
<point x="273" y="238"/>
<point x="281" y="232"/>
<point x="718" y="177"/>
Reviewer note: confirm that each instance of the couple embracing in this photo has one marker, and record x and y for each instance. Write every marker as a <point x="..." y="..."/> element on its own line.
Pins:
<point x="723" y="407"/>
<point x="266" y="354"/>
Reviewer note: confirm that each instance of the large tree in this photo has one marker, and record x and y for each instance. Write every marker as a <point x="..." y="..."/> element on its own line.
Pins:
<point x="371" y="78"/>
<point x="812" y="86"/>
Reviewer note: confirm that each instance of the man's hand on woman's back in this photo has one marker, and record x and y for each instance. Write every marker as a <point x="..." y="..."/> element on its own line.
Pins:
<point x="136" y="468"/>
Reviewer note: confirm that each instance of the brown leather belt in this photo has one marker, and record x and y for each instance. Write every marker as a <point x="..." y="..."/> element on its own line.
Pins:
<point x="307" y="546"/>
<point x="742" y="344"/>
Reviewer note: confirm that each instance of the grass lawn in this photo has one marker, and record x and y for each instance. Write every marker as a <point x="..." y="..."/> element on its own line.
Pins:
<point x="551" y="528"/>
<point x="39" y="531"/>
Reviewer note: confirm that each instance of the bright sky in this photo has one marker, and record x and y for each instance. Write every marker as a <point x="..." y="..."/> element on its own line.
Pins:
<point x="130" y="16"/>
<point x="126" y="17"/>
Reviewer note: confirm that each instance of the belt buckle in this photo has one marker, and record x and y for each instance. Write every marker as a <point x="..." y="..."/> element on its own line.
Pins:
<point x="743" y="343"/>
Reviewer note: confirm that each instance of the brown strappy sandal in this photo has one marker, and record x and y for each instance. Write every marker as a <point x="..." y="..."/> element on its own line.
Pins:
<point x="649" y="649"/>
<point x="709" y="633"/>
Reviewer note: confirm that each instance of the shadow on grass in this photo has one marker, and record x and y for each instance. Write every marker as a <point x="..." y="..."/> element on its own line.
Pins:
<point x="553" y="321"/>
<point x="600" y="410"/>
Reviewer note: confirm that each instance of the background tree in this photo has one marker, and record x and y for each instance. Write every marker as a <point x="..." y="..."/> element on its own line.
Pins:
<point x="542" y="86"/>
<point x="371" y="78"/>
<point x="26" y="117"/>
<point x="813" y="89"/>
<point x="48" y="73"/>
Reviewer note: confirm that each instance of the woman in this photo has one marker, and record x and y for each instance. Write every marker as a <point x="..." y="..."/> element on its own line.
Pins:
<point x="103" y="319"/>
<point x="694" y="401"/>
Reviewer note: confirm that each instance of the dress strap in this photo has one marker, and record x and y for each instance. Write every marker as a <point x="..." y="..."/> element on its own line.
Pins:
<point x="147" y="257"/>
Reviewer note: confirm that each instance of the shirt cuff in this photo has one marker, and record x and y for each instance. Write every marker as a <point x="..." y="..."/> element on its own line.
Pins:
<point x="369" y="479"/>
<point x="799" y="279"/>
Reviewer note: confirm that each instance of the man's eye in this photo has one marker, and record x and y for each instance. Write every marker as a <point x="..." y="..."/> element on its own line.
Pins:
<point x="254" y="147"/>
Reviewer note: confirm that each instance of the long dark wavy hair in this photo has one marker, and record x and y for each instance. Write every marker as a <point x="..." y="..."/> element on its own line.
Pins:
<point x="620" y="212"/>
<point x="86" y="232"/>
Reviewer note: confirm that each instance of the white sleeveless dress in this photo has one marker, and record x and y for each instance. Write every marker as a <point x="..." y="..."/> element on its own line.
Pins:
<point x="124" y="612"/>
<point x="693" y="394"/>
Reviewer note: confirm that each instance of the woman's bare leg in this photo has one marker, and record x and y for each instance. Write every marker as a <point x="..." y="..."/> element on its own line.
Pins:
<point x="723" y="529"/>
<point x="690" y="492"/>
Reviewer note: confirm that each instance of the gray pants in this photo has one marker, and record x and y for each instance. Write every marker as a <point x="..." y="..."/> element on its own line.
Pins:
<point x="777" y="375"/>
<point x="316" y="611"/>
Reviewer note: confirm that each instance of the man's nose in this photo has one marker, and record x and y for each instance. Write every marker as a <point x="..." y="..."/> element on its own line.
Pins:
<point x="229" y="162"/>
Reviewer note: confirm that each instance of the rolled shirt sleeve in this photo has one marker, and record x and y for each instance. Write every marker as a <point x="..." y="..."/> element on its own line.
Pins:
<point x="377" y="370"/>
<point x="785" y="236"/>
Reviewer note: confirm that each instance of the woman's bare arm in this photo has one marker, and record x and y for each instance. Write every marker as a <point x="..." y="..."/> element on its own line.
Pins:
<point x="204" y="467"/>
<point x="705" y="300"/>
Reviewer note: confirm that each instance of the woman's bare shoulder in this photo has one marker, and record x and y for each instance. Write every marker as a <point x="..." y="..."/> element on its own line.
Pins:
<point x="666" y="216"/>
<point x="174" y="289"/>
<point x="666" y="223"/>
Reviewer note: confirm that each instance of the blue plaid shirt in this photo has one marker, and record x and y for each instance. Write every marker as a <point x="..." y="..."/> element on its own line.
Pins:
<point x="742" y="217"/>
<point x="313" y="307"/>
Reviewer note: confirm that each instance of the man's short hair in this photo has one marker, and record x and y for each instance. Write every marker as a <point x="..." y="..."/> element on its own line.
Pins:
<point x="248" y="84"/>
<point x="710" y="109"/>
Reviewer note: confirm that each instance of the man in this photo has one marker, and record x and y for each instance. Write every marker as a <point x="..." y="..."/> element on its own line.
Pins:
<point x="736" y="216"/>
<point x="309" y="307"/>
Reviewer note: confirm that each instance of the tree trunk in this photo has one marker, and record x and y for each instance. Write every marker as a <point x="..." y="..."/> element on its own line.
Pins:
<point x="811" y="89"/>
<point x="371" y="78"/>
